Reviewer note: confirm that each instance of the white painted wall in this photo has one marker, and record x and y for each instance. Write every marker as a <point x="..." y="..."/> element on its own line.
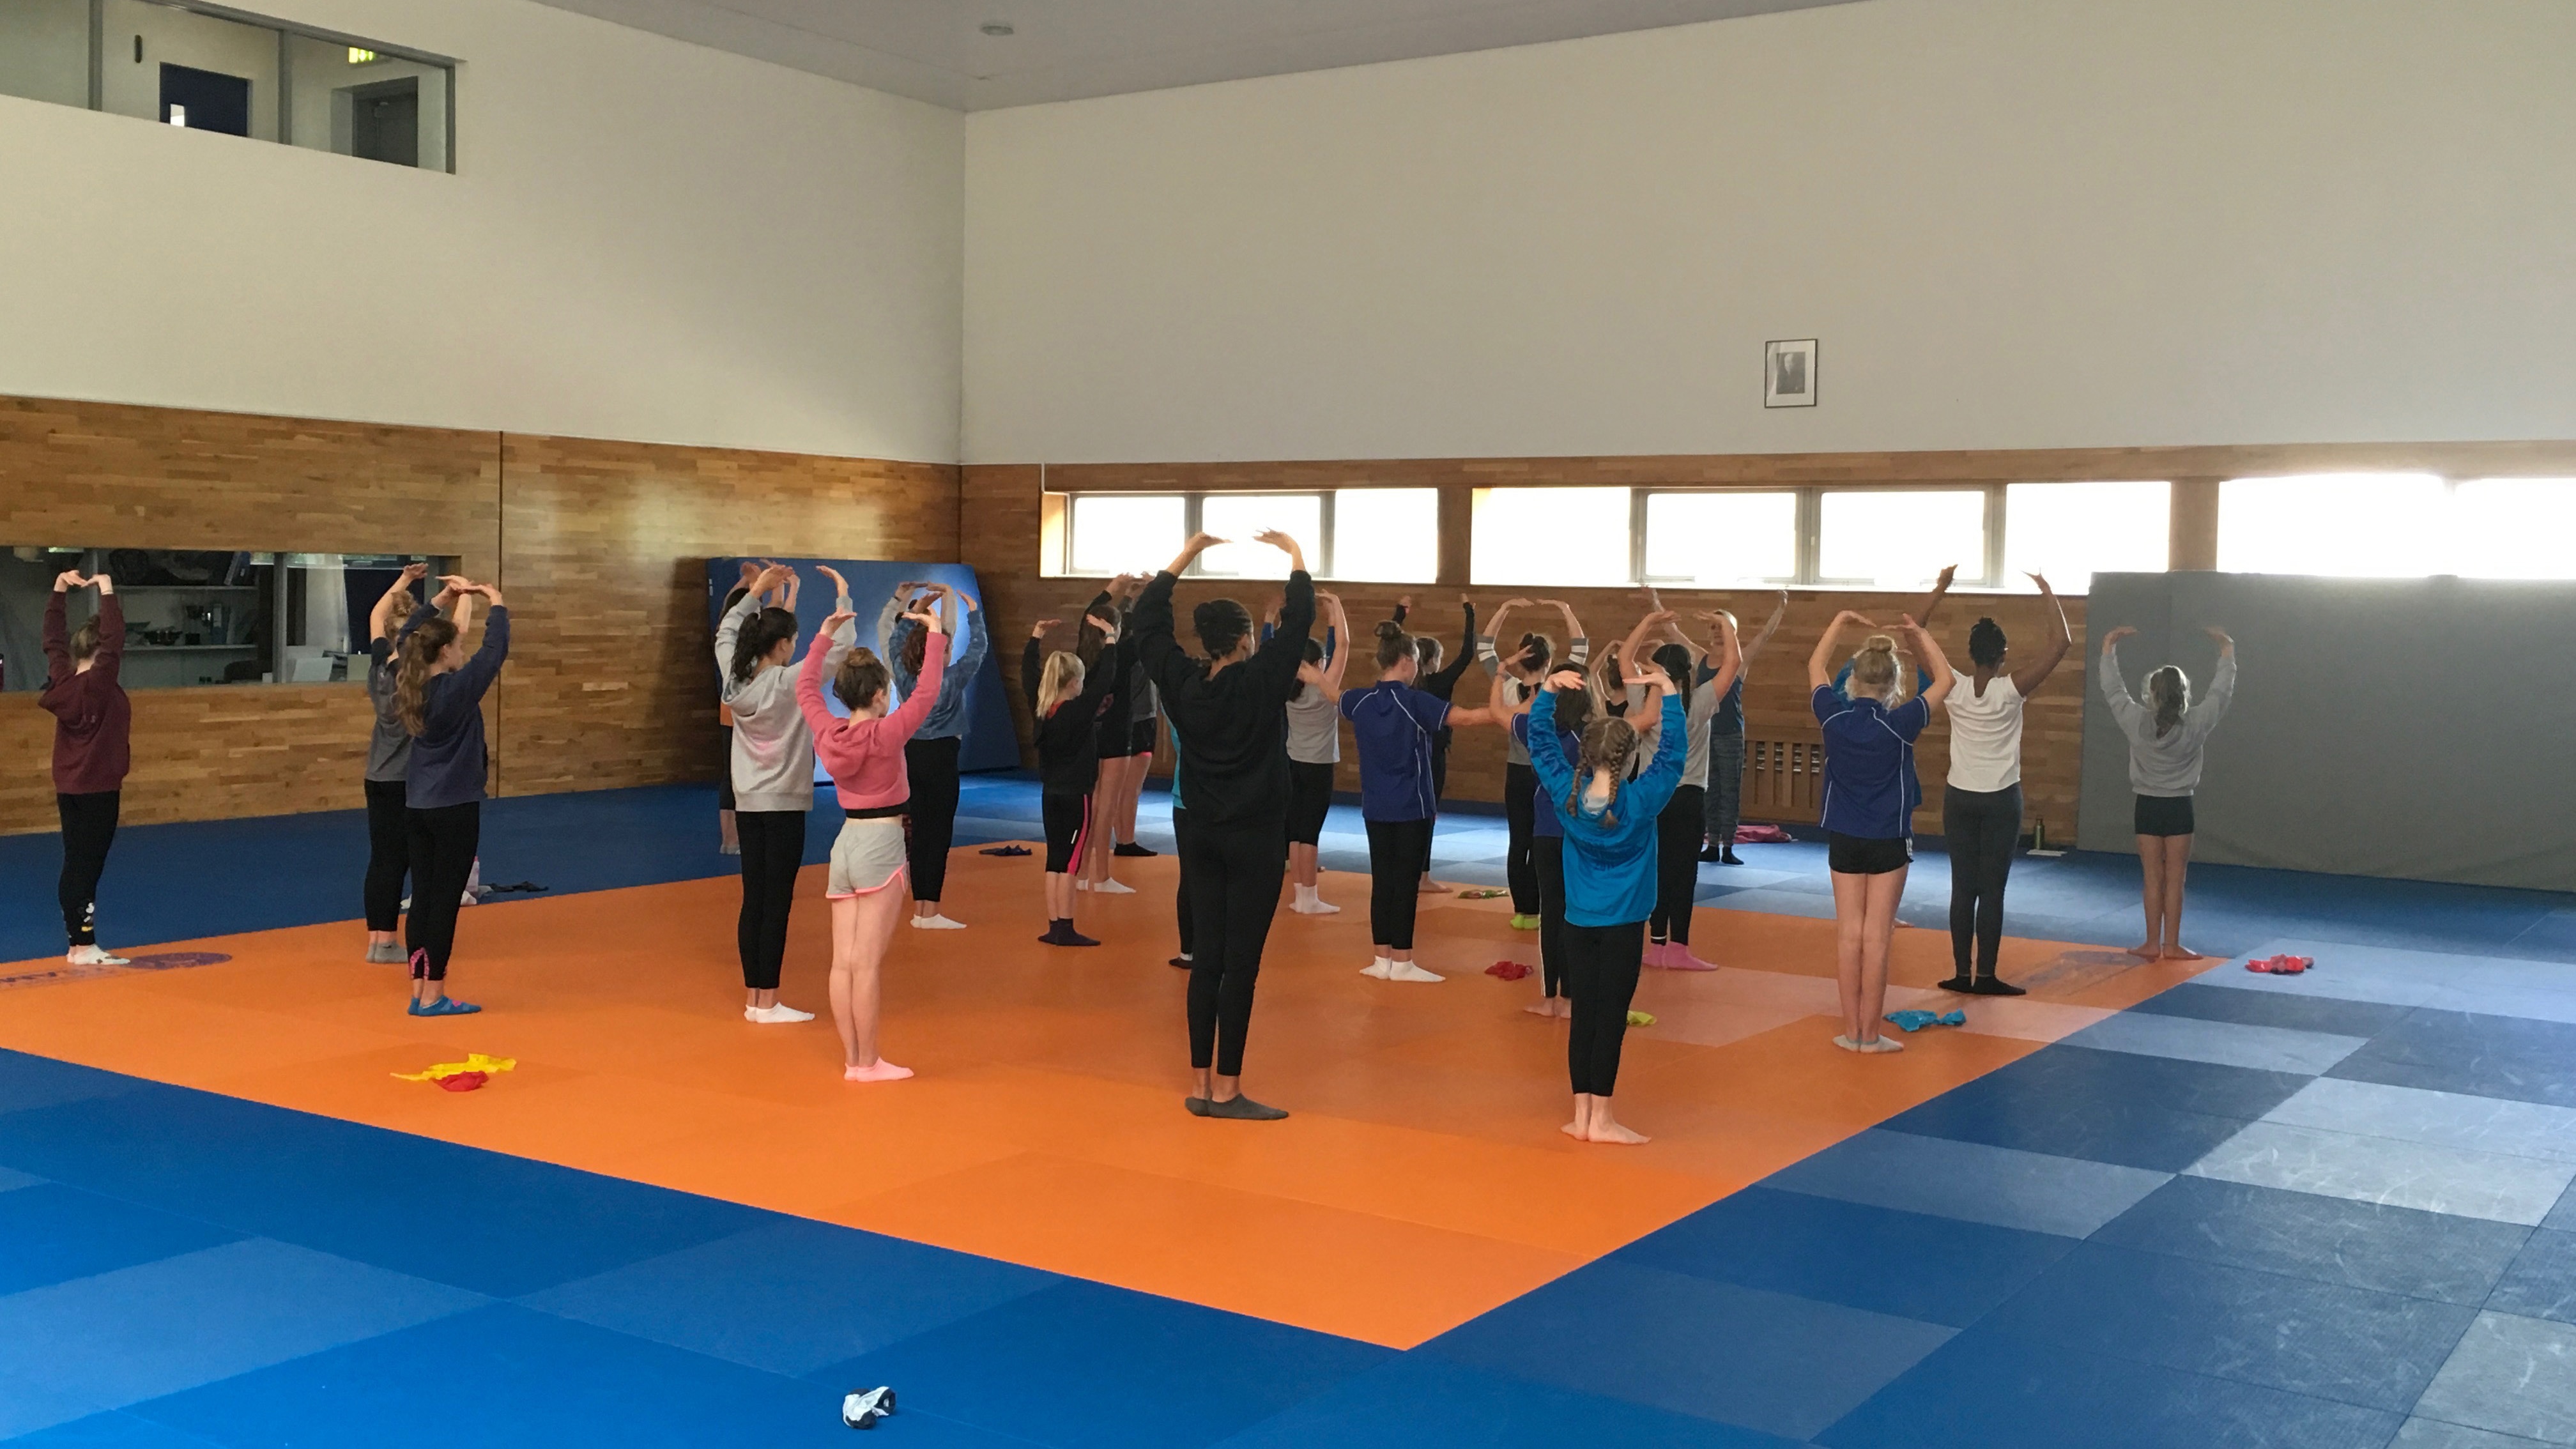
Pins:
<point x="2013" y="223"/>
<point x="644" y="240"/>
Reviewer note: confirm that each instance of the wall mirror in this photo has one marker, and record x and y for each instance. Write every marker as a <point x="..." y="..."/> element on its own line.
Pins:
<point x="206" y="616"/>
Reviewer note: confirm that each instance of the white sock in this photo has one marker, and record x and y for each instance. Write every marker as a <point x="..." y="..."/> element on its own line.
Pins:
<point x="936" y="922"/>
<point x="1408" y="971"/>
<point x="1108" y="887"/>
<point x="1305" y="897"/>
<point x="1378" y="968"/>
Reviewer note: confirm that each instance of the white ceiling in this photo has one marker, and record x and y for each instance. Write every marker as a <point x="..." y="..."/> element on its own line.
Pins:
<point x="934" y="50"/>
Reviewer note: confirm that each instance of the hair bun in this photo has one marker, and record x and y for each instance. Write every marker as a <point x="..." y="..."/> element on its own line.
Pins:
<point x="1878" y="644"/>
<point x="1389" y="629"/>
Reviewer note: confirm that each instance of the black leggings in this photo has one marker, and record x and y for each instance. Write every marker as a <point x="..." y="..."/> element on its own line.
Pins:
<point x="1234" y="873"/>
<point x="1066" y="819"/>
<point x="930" y="766"/>
<point x="388" y="853"/>
<point x="443" y="842"/>
<point x="1181" y="892"/>
<point x="1678" y="832"/>
<point x="1399" y="852"/>
<point x="89" y="828"/>
<point x="1547" y="856"/>
<point x="1520" y="816"/>
<point x="773" y="850"/>
<point x="1981" y="827"/>
<point x="1601" y="969"/>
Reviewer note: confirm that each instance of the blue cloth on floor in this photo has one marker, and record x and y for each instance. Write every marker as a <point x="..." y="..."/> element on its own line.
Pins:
<point x="1912" y="1021"/>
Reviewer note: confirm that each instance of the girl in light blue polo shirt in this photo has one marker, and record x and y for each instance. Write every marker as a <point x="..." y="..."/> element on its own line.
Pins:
<point x="1610" y="825"/>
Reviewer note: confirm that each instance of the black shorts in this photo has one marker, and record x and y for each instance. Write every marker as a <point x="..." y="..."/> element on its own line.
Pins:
<point x="1068" y="819"/>
<point x="1140" y="737"/>
<point x="1860" y="855"/>
<point x="2164" y="815"/>
<point x="1310" y="797"/>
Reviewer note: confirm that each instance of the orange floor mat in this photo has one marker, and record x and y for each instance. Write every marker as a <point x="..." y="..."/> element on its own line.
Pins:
<point x="1421" y="1181"/>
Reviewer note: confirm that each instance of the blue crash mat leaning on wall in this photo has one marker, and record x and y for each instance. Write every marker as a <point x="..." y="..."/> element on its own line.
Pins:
<point x="990" y="742"/>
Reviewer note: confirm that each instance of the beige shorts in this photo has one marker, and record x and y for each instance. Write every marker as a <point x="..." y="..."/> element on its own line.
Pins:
<point x="867" y="856"/>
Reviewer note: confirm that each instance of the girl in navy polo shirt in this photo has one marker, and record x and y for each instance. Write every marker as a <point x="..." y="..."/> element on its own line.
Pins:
<point x="1610" y="823"/>
<point x="1392" y="724"/>
<point x="1870" y="795"/>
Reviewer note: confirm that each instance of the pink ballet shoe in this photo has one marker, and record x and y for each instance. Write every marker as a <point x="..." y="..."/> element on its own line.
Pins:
<point x="1655" y="952"/>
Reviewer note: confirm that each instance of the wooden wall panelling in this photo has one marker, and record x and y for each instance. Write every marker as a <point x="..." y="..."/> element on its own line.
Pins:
<point x="2194" y="542"/>
<point x="610" y="679"/>
<point x="105" y="475"/>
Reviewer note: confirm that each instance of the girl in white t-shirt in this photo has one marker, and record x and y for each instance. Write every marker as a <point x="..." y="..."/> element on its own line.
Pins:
<point x="1981" y="808"/>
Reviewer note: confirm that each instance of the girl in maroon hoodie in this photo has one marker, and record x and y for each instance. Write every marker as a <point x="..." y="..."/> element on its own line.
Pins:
<point x="91" y="723"/>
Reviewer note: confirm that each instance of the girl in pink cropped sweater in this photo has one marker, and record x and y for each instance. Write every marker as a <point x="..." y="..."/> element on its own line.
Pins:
<point x="864" y="755"/>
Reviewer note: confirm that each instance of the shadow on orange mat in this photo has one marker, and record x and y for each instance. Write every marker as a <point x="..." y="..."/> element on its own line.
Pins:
<point x="1420" y="1182"/>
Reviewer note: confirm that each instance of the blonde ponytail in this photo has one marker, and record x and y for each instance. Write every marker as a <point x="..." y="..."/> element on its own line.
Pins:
<point x="1062" y="681"/>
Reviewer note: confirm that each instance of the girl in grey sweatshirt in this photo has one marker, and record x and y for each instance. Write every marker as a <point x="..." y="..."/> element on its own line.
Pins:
<point x="2167" y="735"/>
<point x="773" y="780"/>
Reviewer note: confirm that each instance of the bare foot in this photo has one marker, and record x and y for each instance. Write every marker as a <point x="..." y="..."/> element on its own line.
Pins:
<point x="879" y="1070"/>
<point x="2146" y="949"/>
<point x="1544" y="1006"/>
<point x="1606" y="1130"/>
<point x="2180" y="952"/>
<point x="1432" y="887"/>
<point x="1573" y="1129"/>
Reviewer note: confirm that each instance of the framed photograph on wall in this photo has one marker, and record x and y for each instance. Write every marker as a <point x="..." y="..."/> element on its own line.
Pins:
<point x="1789" y="374"/>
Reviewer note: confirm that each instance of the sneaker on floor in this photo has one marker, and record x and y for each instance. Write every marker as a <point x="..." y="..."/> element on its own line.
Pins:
<point x="778" y="1014"/>
<point x="93" y="956"/>
<point x="936" y="923"/>
<point x="1712" y="855"/>
<point x="1407" y="971"/>
<point x="1133" y="851"/>
<point x="444" y="1006"/>
<point x="1185" y="963"/>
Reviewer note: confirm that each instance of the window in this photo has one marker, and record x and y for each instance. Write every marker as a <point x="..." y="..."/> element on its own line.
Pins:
<point x="207" y="68"/>
<point x="1126" y="533"/>
<point x="1715" y="540"/>
<point x="2348" y="525"/>
<point x="1893" y="538"/>
<point x="1552" y="536"/>
<point x="213" y="616"/>
<point x="1381" y="535"/>
<point x="2513" y="528"/>
<point x="44" y="51"/>
<point x="2072" y="531"/>
<point x="1236" y="517"/>
<point x="1385" y="535"/>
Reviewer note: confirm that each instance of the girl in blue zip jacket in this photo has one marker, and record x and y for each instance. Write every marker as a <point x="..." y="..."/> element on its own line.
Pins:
<point x="1609" y="824"/>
